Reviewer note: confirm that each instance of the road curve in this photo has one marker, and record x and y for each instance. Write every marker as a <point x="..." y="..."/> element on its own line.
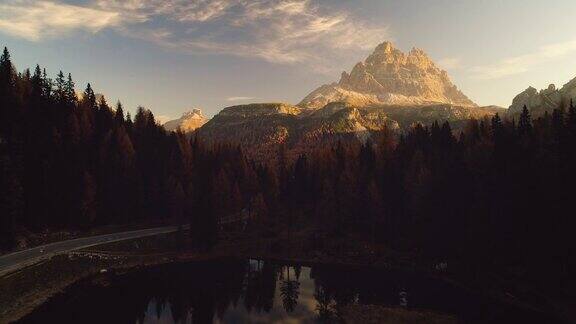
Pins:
<point x="17" y="260"/>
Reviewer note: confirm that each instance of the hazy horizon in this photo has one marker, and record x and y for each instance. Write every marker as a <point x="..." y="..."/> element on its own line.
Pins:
<point x="170" y="56"/>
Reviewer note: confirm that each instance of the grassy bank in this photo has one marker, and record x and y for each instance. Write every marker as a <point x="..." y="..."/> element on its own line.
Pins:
<point x="24" y="290"/>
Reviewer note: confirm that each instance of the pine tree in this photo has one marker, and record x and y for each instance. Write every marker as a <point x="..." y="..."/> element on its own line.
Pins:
<point x="496" y="126"/>
<point x="557" y="124"/>
<point x="119" y="114"/>
<point x="7" y="73"/>
<point x="89" y="98"/>
<point x="447" y="138"/>
<point x="103" y="104"/>
<point x="571" y="122"/>
<point x="37" y="85"/>
<point x="141" y="119"/>
<point x="47" y="84"/>
<point x="60" y="94"/>
<point x="525" y="123"/>
<point x="473" y="132"/>
<point x="8" y="108"/>
<point x="435" y="133"/>
<point x="368" y="156"/>
<point x="70" y="91"/>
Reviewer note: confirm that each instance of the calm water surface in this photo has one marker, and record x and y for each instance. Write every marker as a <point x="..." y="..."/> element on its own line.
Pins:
<point x="252" y="291"/>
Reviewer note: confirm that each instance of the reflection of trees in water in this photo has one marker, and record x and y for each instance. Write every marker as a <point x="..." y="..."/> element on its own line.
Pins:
<point x="335" y="289"/>
<point x="297" y="271"/>
<point x="289" y="290"/>
<point x="207" y="291"/>
<point x="197" y="291"/>
<point x="261" y="287"/>
<point x="326" y="306"/>
<point x="204" y="292"/>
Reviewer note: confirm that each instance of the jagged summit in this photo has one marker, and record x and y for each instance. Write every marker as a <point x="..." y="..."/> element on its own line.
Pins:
<point x="385" y="47"/>
<point x="195" y="113"/>
<point x="545" y="100"/>
<point x="390" y="90"/>
<point x="389" y="76"/>
<point x="190" y="121"/>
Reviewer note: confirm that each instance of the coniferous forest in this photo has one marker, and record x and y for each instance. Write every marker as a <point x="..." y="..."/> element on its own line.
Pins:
<point x="69" y="162"/>
<point x="499" y="194"/>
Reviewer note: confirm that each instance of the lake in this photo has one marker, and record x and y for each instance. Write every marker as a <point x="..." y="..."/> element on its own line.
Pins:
<point x="250" y="291"/>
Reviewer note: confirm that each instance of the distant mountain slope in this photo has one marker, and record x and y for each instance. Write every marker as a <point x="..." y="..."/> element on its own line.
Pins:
<point x="263" y="128"/>
<point x="189" y="122"/>
<point x="390" y="77"/>
<point x="258" y="127"/>
<point x="546" y="100"/>
<point x="390" y="90"/>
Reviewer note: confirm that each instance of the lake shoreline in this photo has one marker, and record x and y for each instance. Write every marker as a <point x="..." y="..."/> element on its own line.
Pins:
<point x="118" y="260"/>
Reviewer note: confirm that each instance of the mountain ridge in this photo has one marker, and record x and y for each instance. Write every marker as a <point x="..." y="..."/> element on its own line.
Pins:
<point x="189" y="121"/>
<point x="545" y="100"/>
<point x="389" y="77"/>
<point x="389" y="91"/>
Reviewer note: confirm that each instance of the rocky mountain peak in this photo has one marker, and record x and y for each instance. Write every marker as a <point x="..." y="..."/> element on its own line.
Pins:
<point x="189" y="122"/>
<point x="551" y="88"/>
<point x="384" y="48"/>
<point x="417" y="52"/>
<point x="390" y="76"/>
<point x="545" y="100"/>
<point x="195" y="113"/>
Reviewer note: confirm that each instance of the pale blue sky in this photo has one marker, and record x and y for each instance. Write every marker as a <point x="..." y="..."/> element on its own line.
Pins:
<point x="170" y="56"/>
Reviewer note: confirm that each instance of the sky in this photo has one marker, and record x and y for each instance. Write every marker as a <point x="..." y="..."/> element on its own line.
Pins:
<point x="173" y="55"/>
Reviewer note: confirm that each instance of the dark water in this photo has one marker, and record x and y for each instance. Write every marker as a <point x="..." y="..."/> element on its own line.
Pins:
<point x="262" y="292"/>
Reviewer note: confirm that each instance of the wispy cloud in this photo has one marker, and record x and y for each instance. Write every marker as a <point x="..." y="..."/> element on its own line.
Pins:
<point x="36" y="20"/>
<point x="450" y="63"/>
<point x="176" y="10"/>
<point x="278" y="31"/>
<point x="523" y="63"/>
<point x="240" y="98"/>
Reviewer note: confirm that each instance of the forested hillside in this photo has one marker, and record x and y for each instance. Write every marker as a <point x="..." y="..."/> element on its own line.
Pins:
<point x="69" y="162"/>
<point x="498" y="194"/>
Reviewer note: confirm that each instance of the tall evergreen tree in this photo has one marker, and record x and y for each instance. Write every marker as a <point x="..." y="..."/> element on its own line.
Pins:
<point x="8" y="109"/>
<point x="89" y="98"/>
<point x="60" y="91"/>
<point x="47" y="82"/>
<point x="37" y="85"/>
<point x="496" y="125"/>
<point x="525" y="122"/>
<point x="7" y="73"/>
<point x="70" y="91"/>
<point x="119" y="114"/>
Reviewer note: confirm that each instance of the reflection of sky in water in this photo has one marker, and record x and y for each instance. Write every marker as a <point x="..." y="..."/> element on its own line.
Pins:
<point x="162" y="315"/>
<point x="237" y="291"/>
<point x="304" y="311"/>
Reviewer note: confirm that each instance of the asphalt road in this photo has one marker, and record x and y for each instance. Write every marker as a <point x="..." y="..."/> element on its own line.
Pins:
<point x="18" y="260"/>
